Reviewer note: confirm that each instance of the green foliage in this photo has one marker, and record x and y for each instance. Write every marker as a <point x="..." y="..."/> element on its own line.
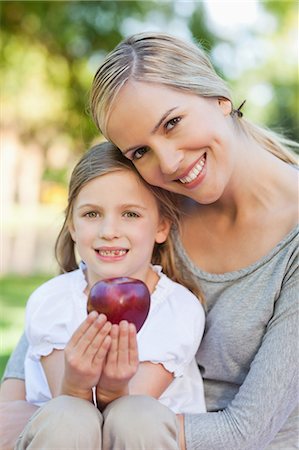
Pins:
<point x="14" y="293"/>
<point x="50" y="51"/>
<point x="54" y="42"/>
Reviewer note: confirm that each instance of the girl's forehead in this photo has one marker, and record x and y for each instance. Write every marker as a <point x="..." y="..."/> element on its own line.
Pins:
<point x="120" y="179"/>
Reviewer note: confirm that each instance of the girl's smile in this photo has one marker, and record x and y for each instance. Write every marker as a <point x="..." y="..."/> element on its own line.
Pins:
<point x="111" y="253"/>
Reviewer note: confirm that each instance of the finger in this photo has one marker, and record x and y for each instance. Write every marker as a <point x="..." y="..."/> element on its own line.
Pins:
<point x="91" y="331"/>
<point x="123" y="343"/>
<point x="102" y="351"/>
<point x="81" y="330"/>
<point x="113" y="350"/>
<point x="97" y="341"/>
<point x="133" y="347"/>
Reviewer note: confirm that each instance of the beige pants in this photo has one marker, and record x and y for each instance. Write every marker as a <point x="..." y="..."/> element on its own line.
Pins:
<point x="129" y="423"/>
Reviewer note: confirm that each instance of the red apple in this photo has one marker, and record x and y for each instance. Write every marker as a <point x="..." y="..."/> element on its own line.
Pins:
<point x="120" y="299"/>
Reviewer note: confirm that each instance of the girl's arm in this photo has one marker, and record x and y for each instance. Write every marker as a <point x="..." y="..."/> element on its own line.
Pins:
<point x="122" y="373"/>
<point x="77" y="369"/>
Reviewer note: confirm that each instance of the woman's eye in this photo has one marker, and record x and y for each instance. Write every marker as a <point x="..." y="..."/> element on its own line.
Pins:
<point x="91" y="214"/>
<point x="137" y="154"/>
<point x="130" y="214"/>
<point x="172" y="123"/>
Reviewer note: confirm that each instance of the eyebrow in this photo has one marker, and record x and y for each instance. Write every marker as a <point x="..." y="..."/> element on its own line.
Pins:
<point x="132" y="205"/>
<point x="124" y="206"/>
<point x="165" y="115"/>
<point x="156" y="127"/>
<point x="87" y="205"/>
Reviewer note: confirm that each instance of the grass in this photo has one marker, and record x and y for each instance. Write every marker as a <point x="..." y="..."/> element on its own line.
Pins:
<point x="14" y="292"/>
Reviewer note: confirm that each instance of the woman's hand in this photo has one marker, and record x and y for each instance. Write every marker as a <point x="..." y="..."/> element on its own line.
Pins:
<point x="121" y="364"/>
<point x="85" y="356"/>
<point x="14" y="412"/>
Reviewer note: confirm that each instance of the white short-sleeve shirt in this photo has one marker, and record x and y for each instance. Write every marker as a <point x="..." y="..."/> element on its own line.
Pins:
<point x="170" y="335"/>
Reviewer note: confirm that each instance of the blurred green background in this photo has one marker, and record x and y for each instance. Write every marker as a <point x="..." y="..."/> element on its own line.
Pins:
<point x="49" y="53"/>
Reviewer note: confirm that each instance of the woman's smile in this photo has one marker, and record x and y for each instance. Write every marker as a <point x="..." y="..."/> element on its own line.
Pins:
<point x="194" y="174"/>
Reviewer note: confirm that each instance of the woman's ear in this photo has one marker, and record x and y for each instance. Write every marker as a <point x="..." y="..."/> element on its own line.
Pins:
<point x="163" y="231"/>
<point x="225" y="105"/>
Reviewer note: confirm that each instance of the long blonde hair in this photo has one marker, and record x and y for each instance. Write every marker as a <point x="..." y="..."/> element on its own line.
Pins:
<point x="165" y="59"/>
<point x="106" y="158"/>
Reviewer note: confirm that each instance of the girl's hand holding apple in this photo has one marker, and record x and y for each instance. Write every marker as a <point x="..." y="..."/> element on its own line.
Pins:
<point x="85" y="356"/>
<point x="121" y="364"/>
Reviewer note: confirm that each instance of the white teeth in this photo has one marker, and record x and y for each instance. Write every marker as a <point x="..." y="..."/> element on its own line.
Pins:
<point x="194" y="172"/>
<point x="112" y="252"/>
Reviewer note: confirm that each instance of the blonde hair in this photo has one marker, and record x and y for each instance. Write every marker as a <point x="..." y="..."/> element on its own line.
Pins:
<point x="165" y="59"/>
<point x="106" y="158"/>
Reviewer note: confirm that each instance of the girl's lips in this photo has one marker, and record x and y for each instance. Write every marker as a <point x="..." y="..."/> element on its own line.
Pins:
<point x="111" y="254"/>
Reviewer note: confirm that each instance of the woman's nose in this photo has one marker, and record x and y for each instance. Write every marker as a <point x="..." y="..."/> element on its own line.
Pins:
<point x="169" y="160"/>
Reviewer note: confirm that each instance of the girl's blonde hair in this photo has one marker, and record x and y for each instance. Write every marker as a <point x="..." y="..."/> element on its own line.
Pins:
<point x="164" y="59"/>
<point x="106" y="158"/>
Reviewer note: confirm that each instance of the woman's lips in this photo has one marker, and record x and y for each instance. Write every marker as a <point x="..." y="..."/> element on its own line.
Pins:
<point x="194" y="172"/>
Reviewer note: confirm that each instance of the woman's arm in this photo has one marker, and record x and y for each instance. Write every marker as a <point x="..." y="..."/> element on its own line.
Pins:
<point x="269" y="393"/>
<point x="14" y="410"/>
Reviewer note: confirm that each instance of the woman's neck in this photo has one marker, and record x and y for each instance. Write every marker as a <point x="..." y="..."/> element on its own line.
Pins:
<point x="238" y="229"/>
<point x="260" y="182"/>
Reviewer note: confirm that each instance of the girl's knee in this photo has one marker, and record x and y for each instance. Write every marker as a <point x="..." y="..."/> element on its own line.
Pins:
<point x="74" y="410"/>
<point x="136" y="412"/>
<point x="64" y="422"/>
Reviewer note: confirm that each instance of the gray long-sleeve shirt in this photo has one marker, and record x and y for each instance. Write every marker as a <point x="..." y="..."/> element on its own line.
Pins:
<point x="248" y="356"/>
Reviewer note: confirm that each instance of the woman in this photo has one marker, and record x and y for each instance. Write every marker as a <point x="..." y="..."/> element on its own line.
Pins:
<point x="161" y="102"/>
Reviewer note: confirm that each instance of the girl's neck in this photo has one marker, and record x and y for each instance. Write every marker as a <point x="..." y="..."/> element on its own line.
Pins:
<point x="151" y="279"/>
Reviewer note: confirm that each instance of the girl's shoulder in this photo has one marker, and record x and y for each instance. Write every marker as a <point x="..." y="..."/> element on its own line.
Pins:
<point x="59" y="285"/>
<point x="175" y="295"/>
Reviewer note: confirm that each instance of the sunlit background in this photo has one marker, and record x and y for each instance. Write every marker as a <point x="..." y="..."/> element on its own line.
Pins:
<point x="50" y="51"/>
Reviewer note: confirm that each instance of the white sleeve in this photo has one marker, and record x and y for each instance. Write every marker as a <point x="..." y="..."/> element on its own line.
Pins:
<point x="172" y="332"/>
<point x="47" y="322"/>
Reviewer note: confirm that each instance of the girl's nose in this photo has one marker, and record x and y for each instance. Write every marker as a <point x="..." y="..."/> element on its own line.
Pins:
<point x="109" y="229"/>
<point x="169" y="160"/>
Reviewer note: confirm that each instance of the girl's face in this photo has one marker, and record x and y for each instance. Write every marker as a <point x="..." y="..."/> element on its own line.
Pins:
<point x="178" y="141"/>
<point x="115" y="225"/>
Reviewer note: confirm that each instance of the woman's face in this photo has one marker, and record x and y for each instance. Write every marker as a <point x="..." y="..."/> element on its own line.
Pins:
<point x="178" y="141"/>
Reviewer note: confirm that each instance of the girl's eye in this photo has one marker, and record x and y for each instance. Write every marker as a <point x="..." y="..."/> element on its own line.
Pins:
<point x="130" y="214"/>
<point x="137" y="154"/>
<point x="172" y="123"/>
<point x="91" y="214"/>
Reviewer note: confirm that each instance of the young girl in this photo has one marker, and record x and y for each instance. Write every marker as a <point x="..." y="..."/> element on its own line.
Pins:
<point x="120" y="227"/>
